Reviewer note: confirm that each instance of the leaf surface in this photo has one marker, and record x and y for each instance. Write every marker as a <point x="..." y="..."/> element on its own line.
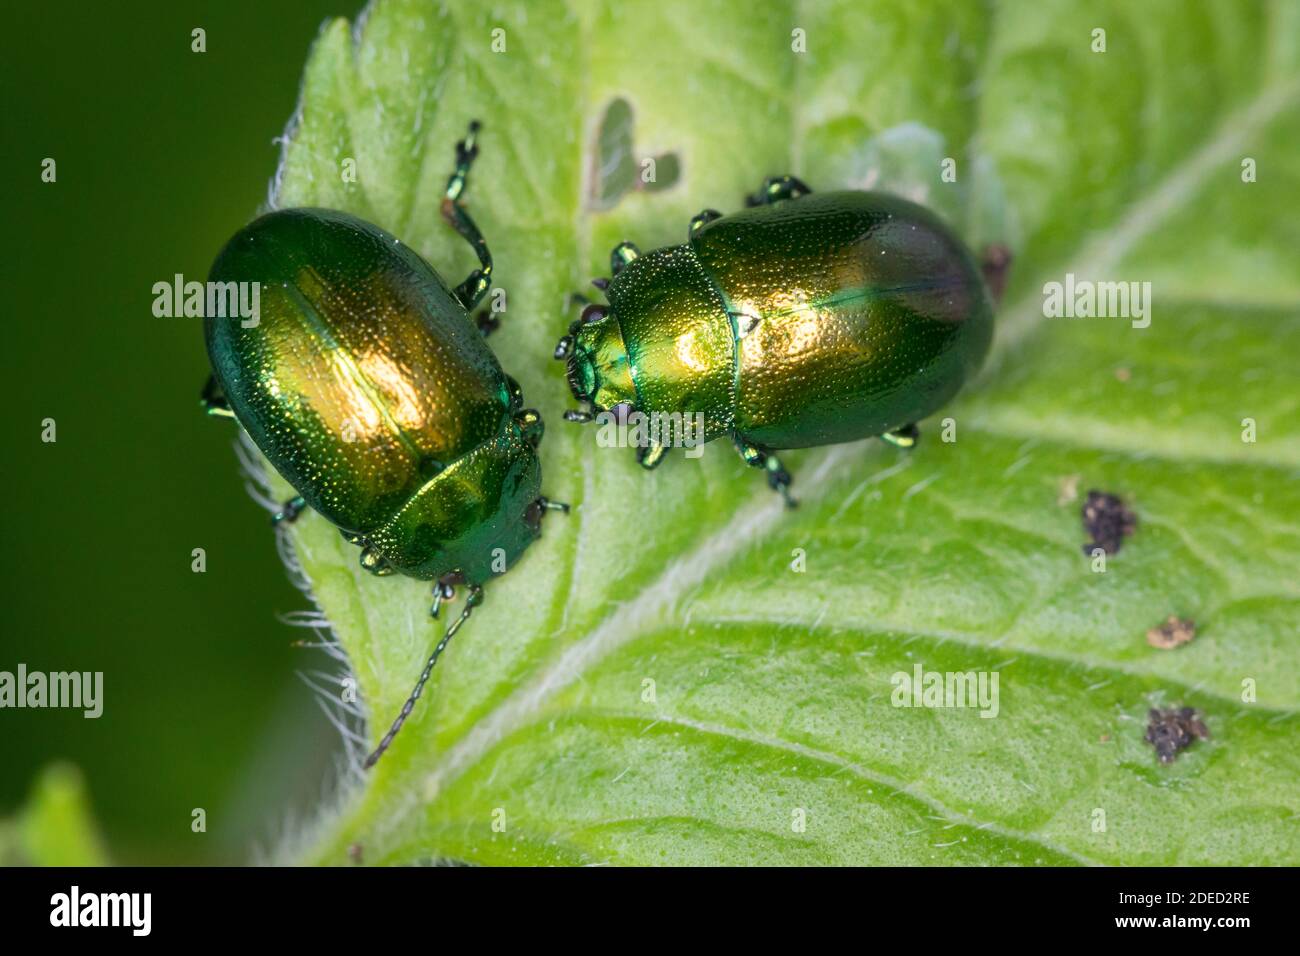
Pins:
<point x="771" y="735"/>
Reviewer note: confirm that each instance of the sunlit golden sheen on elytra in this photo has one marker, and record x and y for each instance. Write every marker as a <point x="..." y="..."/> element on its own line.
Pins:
<point x="370" y="389"/>
<point x="803" y="320"/>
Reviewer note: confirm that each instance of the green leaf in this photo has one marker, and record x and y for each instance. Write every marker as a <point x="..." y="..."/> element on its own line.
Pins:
<point x="772" y="687"/>
<point x="55" y="827"/>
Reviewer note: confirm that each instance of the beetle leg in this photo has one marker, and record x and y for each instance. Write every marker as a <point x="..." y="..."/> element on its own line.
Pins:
<point x="516" y="393"/>
<point x="702" y="219"/>
<point x="622" y="254"/>
<point x="777" y="188"/>
<point x="374" y="562"/>
<point x="530" y="424"/>
<point x="905" y="437"/>
<point x="537" y="510"/>
<point x="471" y="291"/>
<point x="778" y="479"/>
<point x="486" y="321"/>
<point x="650" y="456"/>
<point x="289" y="511"/>
<point x="442" y="591"/>
<point x="472" y="600"/>
<point x="213" y="399"/>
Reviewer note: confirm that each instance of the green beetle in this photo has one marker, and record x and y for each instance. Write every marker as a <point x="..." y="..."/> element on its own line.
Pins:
<point x="806" y="319"/>
<point x="367" y="386"/>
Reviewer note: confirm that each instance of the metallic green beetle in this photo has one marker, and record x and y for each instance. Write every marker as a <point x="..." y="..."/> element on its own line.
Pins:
<point x="806" y="319"/>
<point x="366" y="385"/>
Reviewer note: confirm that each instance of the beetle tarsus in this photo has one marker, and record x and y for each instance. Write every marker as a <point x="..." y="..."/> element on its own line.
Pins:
<point x="905" y="437"/>
<point x="472" y="600"/>
<point x="467" y="148"/>
<point x="651" y="456"/>
<point x="442" y="591"/>
<point x="778" y="479"/>
<point x="778" y="188"/>
<point x="289" y="511"/>
<point x="622" y="254"/>
<point x="213" y="399"/>
<point x="702" y="219"/>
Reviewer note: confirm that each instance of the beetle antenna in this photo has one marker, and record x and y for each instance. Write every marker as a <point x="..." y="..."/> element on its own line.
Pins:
<point x="472" y="600"/>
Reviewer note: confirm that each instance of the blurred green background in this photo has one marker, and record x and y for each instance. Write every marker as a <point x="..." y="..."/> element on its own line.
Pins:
<point x="162" y="153"/>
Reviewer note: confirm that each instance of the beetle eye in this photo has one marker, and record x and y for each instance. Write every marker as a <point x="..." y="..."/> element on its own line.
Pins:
<point x="621" y="412"/>
<point x="593" y="313"/>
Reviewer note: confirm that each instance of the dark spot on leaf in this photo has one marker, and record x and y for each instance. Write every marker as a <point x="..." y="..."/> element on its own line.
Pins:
<point x="1172" y="730"/>
<point x="1106" y="521"/>
<point x="1174" y="632"/>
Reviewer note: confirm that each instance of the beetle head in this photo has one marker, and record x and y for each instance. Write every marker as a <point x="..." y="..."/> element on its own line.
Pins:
<point x="476" y="516"/>
<point x="597" y="362"/>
